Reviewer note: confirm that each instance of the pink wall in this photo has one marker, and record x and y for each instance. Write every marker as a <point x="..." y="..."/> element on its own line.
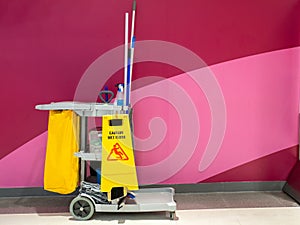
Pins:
<point x="252" y="56"/>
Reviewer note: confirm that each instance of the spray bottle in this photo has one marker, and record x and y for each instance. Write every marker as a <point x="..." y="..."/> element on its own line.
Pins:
<point x="119" y="101"/>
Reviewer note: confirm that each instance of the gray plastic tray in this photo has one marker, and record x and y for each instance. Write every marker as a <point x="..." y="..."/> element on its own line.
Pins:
<point x="147" y="200"/>
<point x="84" y="109"/>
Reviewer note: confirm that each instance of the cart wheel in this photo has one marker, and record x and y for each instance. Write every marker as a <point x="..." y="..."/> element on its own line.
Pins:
<point x="82" y="208"/>
<point x="173" y="216"/>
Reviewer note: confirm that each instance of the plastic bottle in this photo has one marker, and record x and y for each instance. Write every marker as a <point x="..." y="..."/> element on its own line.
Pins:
<point x="120" y="96"/>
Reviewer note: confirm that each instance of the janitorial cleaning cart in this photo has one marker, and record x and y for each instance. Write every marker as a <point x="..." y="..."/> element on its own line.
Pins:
<point x="120" y="198"/>
<point x="117" y="190"/>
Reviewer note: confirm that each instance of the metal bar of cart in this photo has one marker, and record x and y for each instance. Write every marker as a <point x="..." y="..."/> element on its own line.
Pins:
<point x="83" y="144"/>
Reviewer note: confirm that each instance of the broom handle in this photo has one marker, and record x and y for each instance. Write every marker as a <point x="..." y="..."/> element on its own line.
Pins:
<point x="125" y="59"/>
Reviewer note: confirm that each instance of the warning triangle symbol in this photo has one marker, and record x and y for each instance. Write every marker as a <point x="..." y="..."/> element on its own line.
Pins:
<point x="117" y="153"/>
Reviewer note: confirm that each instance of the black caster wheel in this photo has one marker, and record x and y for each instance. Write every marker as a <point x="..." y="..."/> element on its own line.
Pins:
<point x="173" y="216"/>
<point x="82" y="208"/>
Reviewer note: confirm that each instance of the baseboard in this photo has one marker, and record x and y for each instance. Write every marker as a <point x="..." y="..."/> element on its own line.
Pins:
<point x="225" y="187"/>
<point x="179" y="188"/>
<point x="30" y="192"/>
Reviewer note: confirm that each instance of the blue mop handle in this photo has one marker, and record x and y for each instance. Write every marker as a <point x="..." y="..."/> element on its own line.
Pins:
<point x="129" y="75"/>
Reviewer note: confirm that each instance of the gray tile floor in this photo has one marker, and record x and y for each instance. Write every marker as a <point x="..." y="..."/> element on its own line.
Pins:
<point x="229" y="216"/>
<point x="186" y="201"/>
<point x="238" y="208"/>
<point x="234" y="200"/>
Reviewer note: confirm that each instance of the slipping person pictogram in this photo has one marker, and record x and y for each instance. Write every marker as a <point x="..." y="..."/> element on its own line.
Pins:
<point x="117" y="153"/>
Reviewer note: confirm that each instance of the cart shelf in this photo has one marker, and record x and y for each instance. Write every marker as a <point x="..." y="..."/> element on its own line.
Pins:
<point x="89" y="156"/>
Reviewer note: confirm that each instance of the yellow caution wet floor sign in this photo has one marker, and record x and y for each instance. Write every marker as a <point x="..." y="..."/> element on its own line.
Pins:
<point x="118" y="164"/>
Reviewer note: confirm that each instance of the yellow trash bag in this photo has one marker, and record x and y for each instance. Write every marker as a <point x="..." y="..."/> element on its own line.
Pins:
<point x="61" y="172"/>
<point x="118" y="164"/>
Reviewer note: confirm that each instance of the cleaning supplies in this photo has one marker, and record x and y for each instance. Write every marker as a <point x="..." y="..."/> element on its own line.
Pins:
<point x="119" y="101"/>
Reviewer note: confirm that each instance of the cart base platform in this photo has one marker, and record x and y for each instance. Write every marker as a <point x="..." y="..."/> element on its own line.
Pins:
<point x="146" y="200"/>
